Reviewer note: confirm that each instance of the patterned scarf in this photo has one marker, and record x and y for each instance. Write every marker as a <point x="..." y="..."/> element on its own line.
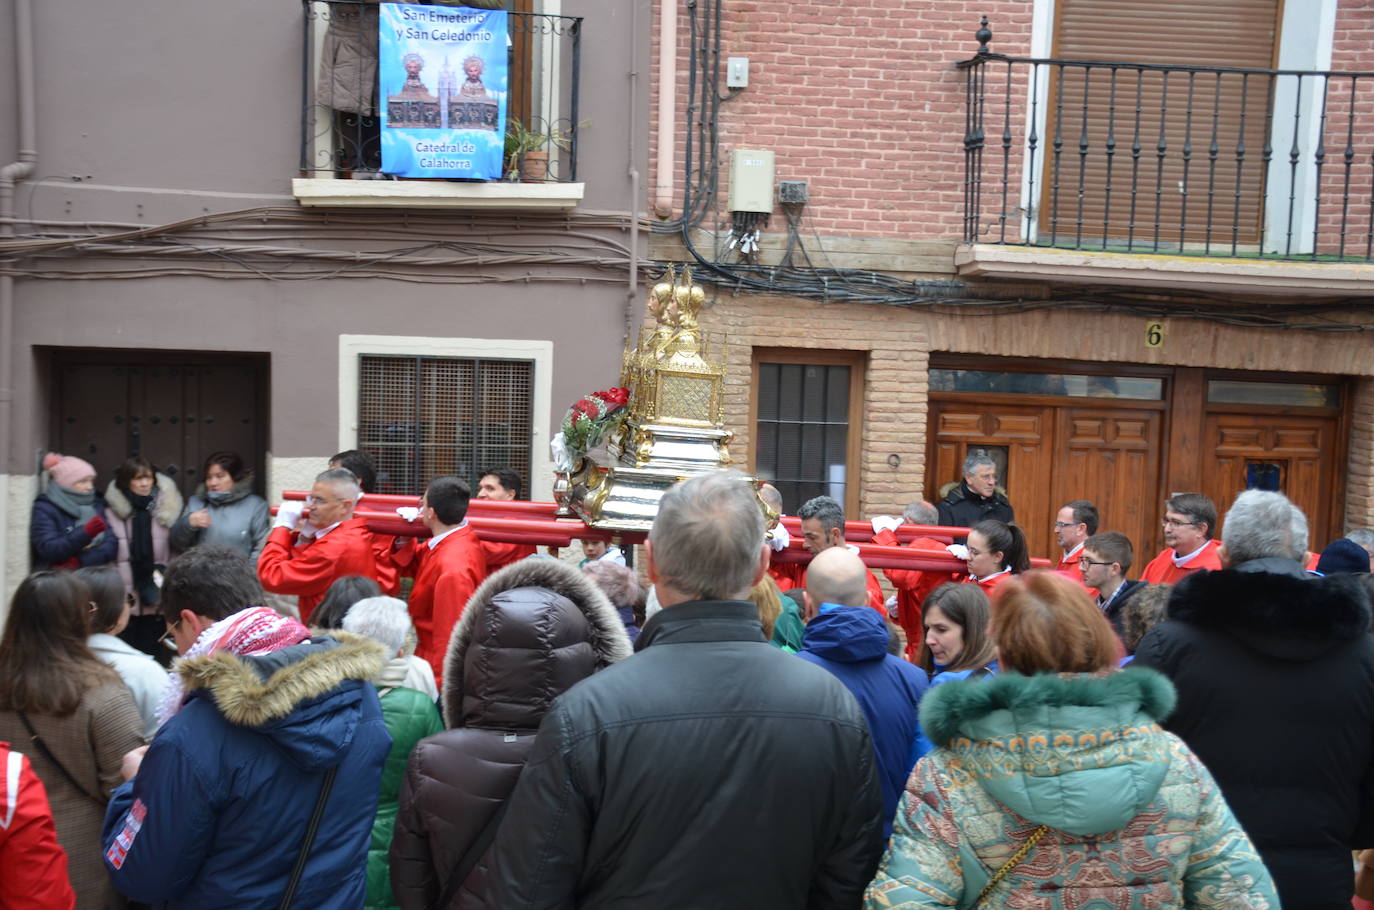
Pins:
<point x="256" y="630"/>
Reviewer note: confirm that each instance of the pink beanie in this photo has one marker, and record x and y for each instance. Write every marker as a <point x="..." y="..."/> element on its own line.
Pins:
<point x="67" y="470"/>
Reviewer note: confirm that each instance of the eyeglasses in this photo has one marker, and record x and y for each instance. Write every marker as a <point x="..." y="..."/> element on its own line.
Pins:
<point x="312" y="500"/>
<point x="166" y="639"/>
<point x="972" y="552"/>
<point x="129" y="599"/>
<point x="1171" y="523"/>
<point x="1061" y="525"/>
<point x="1084" y="562"/>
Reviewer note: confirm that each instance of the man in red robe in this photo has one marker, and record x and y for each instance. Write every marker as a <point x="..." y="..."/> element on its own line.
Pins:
<point x="1075" y="523"/>
<point x="822" y="521"/>
<point x="316" y="542"/>
<point x="913" y="585"/>
<point x="451" y="568"/>
<point x="1190" y="519"/>
<point x="501" y="485"/>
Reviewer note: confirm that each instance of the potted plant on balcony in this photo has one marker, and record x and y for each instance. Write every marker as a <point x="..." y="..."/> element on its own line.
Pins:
<point x="527" y="151"/>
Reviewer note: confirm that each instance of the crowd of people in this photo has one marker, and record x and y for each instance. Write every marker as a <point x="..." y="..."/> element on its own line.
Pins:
<point x="452" y="722"/>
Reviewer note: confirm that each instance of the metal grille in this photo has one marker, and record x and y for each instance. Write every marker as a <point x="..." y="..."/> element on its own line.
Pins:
<point x="422" y="417"/>
<point x="803" y="430"/>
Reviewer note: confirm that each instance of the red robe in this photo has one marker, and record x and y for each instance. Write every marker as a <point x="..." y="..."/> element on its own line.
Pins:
<point x="990" y="583"/>
<point x="788" y="575"/>
<point x="914" y="586"/>
<point x="1162" y="571"/>
<point x="308" y="570"/>
<point x="498" y="555"/>
<point x="448" y="575"/>
<point x="1068" y="565"/>
<point x="35" y="863"/>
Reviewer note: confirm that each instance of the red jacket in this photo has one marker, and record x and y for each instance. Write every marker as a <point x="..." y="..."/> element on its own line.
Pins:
<point x="449" y="574"/>
<point x="34" y="864"/>
<point x="990" y="583"/>
<point x="1162" y="571"/>
<point x="791" y="575"/>
<point x="499" y="555"/>
<point x="914" y="586"/>
<point x="308" y="570"/>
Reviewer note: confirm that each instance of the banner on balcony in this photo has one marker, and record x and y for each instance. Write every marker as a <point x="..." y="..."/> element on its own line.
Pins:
<point x="441" y="74"/>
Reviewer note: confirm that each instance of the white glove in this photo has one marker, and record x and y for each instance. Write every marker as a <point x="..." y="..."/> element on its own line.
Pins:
<point x="958" y="551"/>
<point x="289" y="514"/>
<point x="409" y="513"/>
<point x="778" y="538"/>
<point x="885" y="523"/>
<point x="891" y="605"/>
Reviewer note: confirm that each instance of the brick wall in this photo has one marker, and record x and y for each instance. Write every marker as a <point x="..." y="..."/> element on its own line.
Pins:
<point x="861" y="100"/>
<point x="1348" y="198"/>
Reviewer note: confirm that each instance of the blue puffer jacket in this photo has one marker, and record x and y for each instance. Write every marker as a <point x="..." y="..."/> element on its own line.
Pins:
<point x="57" y="537"/>
<point x="219" y="808"/>
<point x="851" y="642"/>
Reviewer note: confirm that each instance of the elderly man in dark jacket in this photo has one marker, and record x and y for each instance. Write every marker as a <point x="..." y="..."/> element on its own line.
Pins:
<point x="709" y="769"/>
<point x="1275" y="678"/>
<point x="975" y="498"/>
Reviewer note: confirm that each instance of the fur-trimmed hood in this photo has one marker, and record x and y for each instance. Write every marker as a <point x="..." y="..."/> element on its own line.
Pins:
<point x="305" y="698"/>
<point x="535" y="628"/>
<point x="1081" y="753"/>
<point x="166" y="509"/>
<point x="1279" y="615"/>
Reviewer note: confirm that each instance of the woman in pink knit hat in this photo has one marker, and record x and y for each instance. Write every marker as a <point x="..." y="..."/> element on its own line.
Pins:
<point x="67" y="529"/>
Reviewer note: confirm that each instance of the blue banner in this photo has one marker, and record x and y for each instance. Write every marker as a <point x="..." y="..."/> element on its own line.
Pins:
<point x="441" y="73"/>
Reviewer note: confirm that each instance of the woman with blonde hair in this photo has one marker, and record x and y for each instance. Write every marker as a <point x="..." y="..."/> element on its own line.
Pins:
<point x="73" y="715"/>
<point x="1056" y="777"/>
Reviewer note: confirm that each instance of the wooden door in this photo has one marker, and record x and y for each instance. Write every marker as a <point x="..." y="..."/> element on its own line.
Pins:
<point x="173" y="409"/>
<point x="1292" y="454"/>
<point x="1111" y="456"/>
<point x="1024" y="434"/>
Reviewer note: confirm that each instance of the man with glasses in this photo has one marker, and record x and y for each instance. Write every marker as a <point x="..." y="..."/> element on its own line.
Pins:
<point x="266" y="728"/>
<point x="1190" y="519"/>
<point x="1075" y="523"/>
<point x="314" y="543"/>
<point x="1103" y="563"/>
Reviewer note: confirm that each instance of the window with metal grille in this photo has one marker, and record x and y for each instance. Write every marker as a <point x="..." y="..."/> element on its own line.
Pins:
<point x="804" y="441"/>
<point x="422" y="417"/>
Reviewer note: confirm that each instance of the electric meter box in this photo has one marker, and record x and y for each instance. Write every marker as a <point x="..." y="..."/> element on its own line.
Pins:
<point x="751" y="181"/>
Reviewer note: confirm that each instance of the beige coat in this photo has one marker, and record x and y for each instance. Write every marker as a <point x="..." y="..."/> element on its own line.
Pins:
<point x="90" y="744"/>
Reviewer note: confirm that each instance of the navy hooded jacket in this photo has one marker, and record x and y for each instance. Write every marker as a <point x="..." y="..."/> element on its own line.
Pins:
<point x="219" y="808"/>
<point x="851" y="642"/>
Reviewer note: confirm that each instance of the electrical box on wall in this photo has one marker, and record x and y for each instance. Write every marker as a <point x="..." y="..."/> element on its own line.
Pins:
<point x="751" y="180"/>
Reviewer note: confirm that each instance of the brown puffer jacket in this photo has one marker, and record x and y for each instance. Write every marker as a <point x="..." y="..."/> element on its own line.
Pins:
<point x="529" y="633"/>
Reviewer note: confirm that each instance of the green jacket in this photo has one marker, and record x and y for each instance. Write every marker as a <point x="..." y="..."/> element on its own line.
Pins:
<point x="1130" y="810"/>
<point x="410" y="716"/>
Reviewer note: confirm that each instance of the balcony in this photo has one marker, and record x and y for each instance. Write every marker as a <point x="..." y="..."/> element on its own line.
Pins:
<point x="1147" y="175"/>
<point x="340" y="126"/>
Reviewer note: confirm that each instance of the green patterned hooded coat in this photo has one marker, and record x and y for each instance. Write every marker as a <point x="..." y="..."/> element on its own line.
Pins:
<point x="1134" y="818"/>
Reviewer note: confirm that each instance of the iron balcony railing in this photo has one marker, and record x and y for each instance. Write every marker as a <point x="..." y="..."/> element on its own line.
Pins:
<point x="339" y="107"/>
<point x="1147" y="158"/>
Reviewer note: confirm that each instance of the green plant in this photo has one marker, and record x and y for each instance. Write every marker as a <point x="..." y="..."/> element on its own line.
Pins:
<point x="520" y="139"/>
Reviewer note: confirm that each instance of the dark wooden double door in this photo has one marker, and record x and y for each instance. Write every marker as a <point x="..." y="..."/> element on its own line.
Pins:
<point x="172" y="408"/>
<point x="1127" y="457"/>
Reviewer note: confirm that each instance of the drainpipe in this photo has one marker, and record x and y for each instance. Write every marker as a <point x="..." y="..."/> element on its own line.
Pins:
<point x="632" y="280"/>
<point x="11" y="174"/>
<point x="667" y="105"/>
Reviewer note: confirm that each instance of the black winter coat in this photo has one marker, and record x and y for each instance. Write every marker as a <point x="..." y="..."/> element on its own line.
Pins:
<point x="1275" y="678"/>
<point x="531" y="631"/>
<point x="709" y="770"/>
<point x="963" y="508"/>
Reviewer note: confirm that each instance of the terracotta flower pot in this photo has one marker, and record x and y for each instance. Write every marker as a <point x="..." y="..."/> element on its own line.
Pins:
<point x="534" y="167"/>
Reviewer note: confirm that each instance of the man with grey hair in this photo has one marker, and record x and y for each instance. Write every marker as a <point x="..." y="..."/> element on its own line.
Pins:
<point x="976" y="497"/>
<point x="822" y="522"/>
<point x="1261" y="646"/>
<point x="913" y="585"/>
<point x="1365" y="538"/>
<point x="850" y="641"/>
<point x="315" y="542"/>
<point x="709" y="769"/>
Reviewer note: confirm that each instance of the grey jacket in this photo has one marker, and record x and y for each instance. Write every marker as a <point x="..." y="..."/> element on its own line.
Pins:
<point x="241" y="521"/>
